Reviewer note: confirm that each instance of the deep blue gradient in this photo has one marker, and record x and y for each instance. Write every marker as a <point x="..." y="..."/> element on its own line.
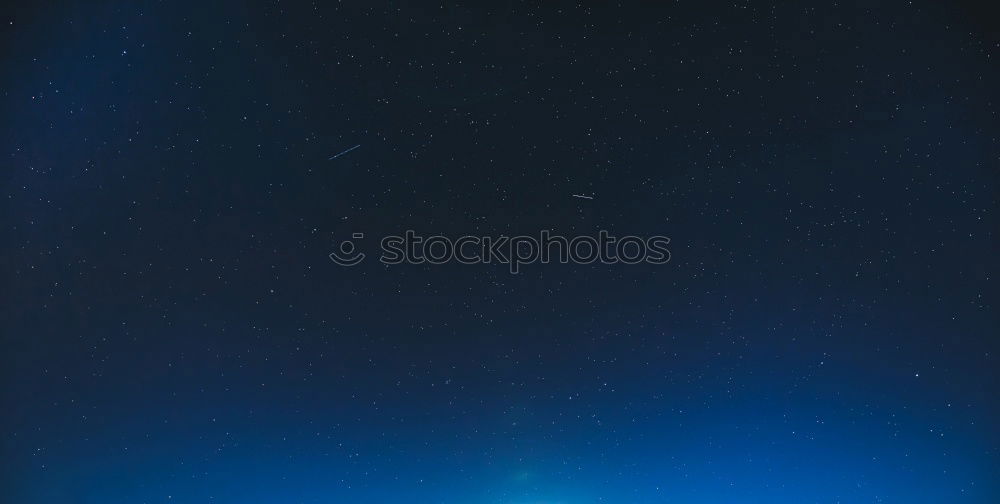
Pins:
<point x="173" y="331"/>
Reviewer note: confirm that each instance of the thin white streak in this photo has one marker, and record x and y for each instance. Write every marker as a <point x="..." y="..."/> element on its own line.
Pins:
<point x="345" y="152"/>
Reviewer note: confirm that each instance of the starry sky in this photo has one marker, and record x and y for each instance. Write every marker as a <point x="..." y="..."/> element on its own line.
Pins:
<point x="173" y="330"/>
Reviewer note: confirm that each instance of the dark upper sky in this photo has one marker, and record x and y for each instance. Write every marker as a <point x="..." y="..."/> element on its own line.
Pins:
<point x="174" y="332"/>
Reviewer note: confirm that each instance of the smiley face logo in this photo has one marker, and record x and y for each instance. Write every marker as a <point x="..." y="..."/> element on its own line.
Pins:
<point x="347" y="253"/>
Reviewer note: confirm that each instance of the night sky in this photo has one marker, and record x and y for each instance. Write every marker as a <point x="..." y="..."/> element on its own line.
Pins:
<point x="173" y="330"/>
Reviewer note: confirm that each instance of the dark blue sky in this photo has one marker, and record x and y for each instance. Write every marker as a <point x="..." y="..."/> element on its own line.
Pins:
<point x="174" y="332"/>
